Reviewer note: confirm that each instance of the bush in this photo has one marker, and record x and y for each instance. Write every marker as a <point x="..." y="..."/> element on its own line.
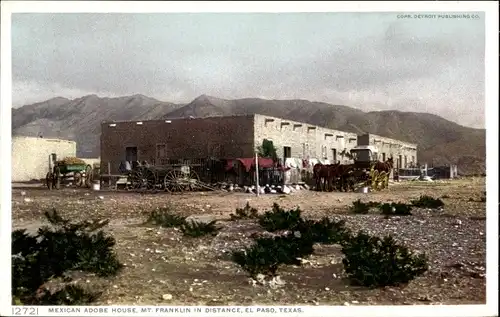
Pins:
<point x="164" y="217"/>
<point x="197" y="229"/>
<point x="395" y="209"/>
<point x="279" y="219"/>
<point x="324" y="231"/>
<point x="267" y="254"/>
<point x="245" y="213"/>
<point x="359" y="207"/>
<point x="54" y="251"/>
<point x="69" y="295"/>
<point x="427" y="202"/>
<point x="375" y="262"/>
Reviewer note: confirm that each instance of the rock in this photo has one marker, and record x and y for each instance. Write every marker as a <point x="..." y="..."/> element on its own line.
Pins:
<point x="167" y="296"/>
<point x="286" y="190"/>
<point x="347" y="304"/>
<point x="27" y="200"/>
<point x="306" y="186"/>
<point x="23" y="193"/>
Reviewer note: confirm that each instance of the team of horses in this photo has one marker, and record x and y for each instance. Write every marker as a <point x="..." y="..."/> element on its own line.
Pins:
<point x="343" y="177"/>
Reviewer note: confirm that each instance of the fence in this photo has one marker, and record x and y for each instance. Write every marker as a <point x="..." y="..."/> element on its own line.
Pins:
<point x="438" y="172"/>
<point x="210" y="171"/>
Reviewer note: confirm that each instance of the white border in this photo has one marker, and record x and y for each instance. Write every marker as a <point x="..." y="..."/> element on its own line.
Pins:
<point x="491" y="100"/>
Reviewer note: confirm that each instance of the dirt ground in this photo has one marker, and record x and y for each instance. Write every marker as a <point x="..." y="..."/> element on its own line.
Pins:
<point x="198" y="271"/>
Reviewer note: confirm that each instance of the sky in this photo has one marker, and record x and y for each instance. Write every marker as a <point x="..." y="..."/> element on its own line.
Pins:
<point x="371" y="61"/>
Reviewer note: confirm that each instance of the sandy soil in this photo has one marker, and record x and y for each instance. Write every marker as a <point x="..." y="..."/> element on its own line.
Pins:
<point x="162" y="261"/>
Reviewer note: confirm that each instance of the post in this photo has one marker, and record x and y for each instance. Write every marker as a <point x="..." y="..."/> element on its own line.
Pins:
<point x="109" y="174"/>
<point x="257" y="173"/>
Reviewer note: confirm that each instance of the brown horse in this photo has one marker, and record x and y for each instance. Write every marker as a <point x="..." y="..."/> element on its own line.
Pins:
<point x="324" y="175"/>
<point x="384" y="166"/>
<point x="344" y="173"/>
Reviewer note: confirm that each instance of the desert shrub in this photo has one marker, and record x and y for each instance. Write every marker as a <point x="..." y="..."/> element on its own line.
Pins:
<point x="69" y="295"/>
<point x="54" y="251"/>
<point x="280" y="219"/>
<point x="245" y="213"/>
<point x="324" y="231"/>
<point x="164" y="217"/>
<point x="267" y="254"/>
<point x="197" y="229"/>
<point x="395" y="209"/>
<point x="428" y="202"/>
<point x="359" y="207"/>
<point x="375" y="262"/>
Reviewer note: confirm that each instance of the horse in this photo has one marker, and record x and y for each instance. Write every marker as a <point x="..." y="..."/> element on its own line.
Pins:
<point x="324" y="175"/>
<point x="344" y="172"/>
<point x="317" y="175"/>
<point x="384" y="166"/>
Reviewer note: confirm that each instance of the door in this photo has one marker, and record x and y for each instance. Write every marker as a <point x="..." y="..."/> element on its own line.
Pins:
<point x="131" y="154"/>
<point x="287" y="151"/>
<point x="400" y="161"/>
<point x="334" y="156"/>
<point x="383" y="157"/>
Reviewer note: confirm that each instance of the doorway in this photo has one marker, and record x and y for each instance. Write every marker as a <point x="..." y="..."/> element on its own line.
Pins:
<point x="334" y="156"/>
<point x="287" y="152"/>
<point x="131" y="153"/>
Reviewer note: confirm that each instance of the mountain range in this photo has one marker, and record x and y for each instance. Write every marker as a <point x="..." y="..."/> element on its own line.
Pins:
<point x="439" y="141"/>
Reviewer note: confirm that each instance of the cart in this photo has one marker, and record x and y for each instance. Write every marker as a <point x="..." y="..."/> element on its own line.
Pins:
<point x="80" y="174"/>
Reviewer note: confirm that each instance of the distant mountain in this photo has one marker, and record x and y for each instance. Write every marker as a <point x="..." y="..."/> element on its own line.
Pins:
<point x="440" y="141"/>
<point x="80" y="119"/>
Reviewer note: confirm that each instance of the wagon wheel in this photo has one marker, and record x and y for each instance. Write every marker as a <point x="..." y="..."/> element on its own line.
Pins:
<point x="173" y="181"/>
<point x="374" y="176"/>
<point x="49" y="180"/>
<point x="89" y="176"/>
<point x="78" y="179"/>
<point x="149" y="179"/>
<point x="384" y="180"/>
<point x="57" y="177"/>
<point x="193" y="180"/>
<point x="135" y="178"/>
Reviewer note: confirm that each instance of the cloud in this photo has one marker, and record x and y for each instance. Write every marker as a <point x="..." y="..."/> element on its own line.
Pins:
<point x="371" y="61"/>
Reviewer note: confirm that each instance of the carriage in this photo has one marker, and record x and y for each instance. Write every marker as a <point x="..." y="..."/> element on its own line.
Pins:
<point x="68" y="170"/>
<point x="366" y="171"/>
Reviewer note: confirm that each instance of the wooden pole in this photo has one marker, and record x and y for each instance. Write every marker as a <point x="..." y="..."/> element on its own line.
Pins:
<point x="109" y="174"/>
<point x="257" y="173"/>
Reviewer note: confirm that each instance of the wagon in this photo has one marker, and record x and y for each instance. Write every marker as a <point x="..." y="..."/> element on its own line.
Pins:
<point x="364" y="172"/>
<point x="169" y="178"/>
<point x="81" y="174"/>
